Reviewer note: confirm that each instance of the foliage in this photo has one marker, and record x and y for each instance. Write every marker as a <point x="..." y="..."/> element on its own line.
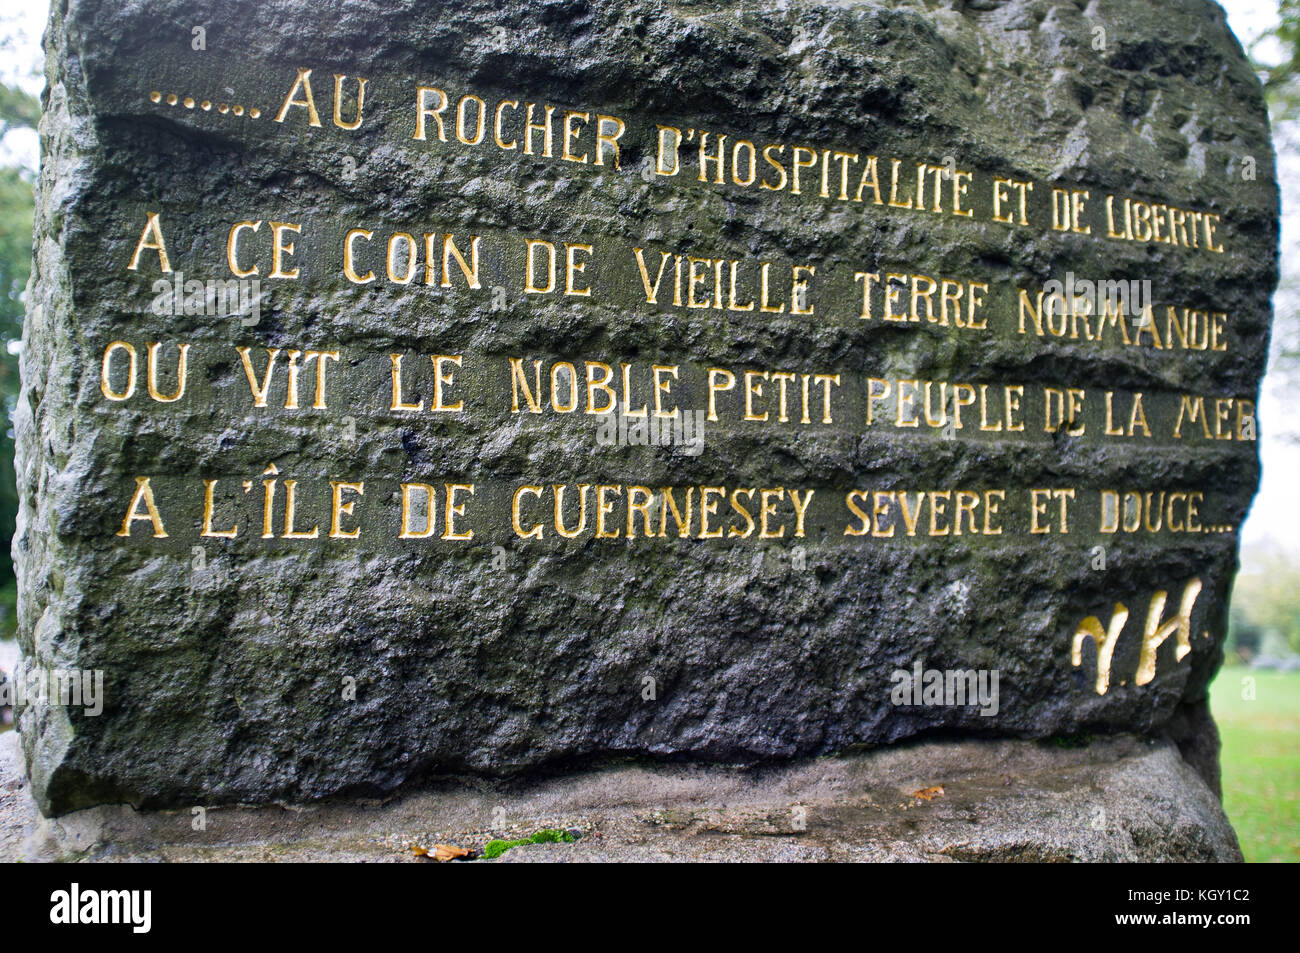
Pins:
<point x="1276" y="58"/>
<point x="1266" y="601"/>
<point x="1244" y="636"/>
<point x="17" y="109"/>
<point x="1282" y="79"/>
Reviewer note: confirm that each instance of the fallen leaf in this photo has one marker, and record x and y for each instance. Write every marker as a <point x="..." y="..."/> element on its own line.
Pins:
<point x="929" y="794"/>
<point x="442" y="853"/>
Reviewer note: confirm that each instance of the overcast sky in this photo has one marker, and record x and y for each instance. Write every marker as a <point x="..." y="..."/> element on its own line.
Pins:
<point x="1276" y="516"/>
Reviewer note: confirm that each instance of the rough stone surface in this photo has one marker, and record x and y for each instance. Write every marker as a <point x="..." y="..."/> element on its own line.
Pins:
<point x="1122" y="799"/>
<point x="225" y="687"/>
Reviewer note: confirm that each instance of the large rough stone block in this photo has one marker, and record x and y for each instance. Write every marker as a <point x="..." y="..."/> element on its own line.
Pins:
<point x="862" y="245"/>
<point x="1122" y="799"/>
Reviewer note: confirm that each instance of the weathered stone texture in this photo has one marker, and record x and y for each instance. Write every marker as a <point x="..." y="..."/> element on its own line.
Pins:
<point x="229" y="691"/>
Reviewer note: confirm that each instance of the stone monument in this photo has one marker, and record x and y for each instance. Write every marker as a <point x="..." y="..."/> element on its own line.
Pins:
<point x="449" y="390"/>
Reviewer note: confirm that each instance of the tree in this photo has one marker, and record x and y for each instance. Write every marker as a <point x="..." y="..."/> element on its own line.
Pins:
<point x="1276" y="57"/>
<point x="1282" y="79"/>
<point x="16" y="208"/>
<point x="1266" y="598"/>
<point x="17" y="110"/>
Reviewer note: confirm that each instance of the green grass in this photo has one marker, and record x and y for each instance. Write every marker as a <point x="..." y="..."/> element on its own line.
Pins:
<point x="1261" y="759"/>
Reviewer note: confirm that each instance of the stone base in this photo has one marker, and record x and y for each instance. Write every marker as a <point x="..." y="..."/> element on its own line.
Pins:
<point x="1120" y="798"/>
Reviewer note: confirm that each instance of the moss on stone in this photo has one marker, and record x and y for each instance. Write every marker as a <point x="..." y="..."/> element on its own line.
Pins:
<point x="547" y="835"/>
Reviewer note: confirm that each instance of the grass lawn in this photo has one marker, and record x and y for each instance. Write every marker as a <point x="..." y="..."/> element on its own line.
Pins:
<point x="1261" y="759"/>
